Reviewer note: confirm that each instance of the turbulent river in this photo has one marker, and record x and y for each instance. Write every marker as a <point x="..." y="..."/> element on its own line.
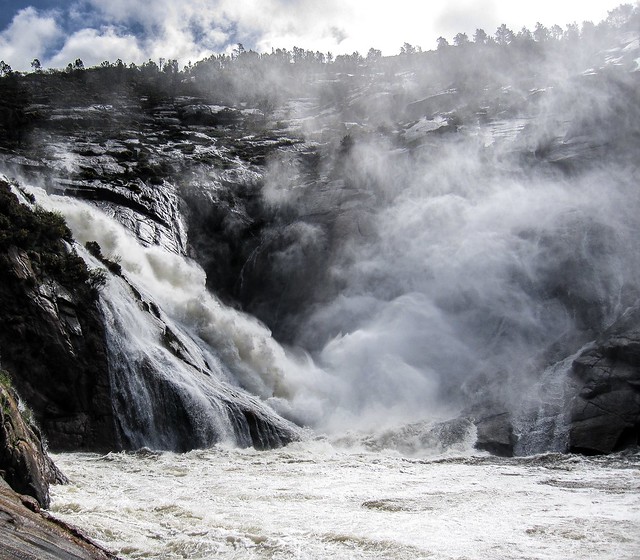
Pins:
<point x="446" y="278"/>
<point x="321" y="499"/>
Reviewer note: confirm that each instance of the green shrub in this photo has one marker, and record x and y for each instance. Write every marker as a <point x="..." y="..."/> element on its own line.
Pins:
<point x="94" y="249"/>
<point x="5" y="379"/>
<point x="113" y="264"/>
<point x="45" y="236"/>
<point x="97" y="279"/>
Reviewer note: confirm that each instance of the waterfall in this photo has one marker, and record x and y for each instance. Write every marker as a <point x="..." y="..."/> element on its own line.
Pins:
<point x="542" y="424"/>
<point x="180" y="361"/>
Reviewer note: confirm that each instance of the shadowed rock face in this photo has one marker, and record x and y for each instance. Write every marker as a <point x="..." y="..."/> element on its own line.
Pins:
<point x="605" y="411"/>
<point x="601" y="398"/>
<point x="60" y="371"/>
<point x="51" y="335"/>
<point x="24" y="463"/>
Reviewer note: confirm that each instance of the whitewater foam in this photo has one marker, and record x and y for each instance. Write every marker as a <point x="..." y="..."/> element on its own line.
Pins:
<point x="313" y="500"/>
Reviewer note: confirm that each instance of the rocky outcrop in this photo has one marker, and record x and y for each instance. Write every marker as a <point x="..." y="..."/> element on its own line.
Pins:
<point x="495" y="433"/>
<point x="25" y="474"/>
<point x="598" y="413"/>
<point x="24" y="462"/>
<point x="32" y="535"/>
<point x="51" y="336"/>
<point x="605" y="411"/>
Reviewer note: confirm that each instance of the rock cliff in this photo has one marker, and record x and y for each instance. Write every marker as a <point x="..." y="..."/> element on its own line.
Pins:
<point x="25" y="474"/>
<point x="278" y="201"/>
<point x="51" y="333"/>
<point x="605" y="408"/>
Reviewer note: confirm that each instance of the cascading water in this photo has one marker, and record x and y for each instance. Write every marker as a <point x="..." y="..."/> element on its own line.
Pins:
<point x="446" y="285"/>
<point x="542" y="425"/>
<point x="176" y="354"/>
<point x="160" y="400"/>
<point x="417" y="273"/>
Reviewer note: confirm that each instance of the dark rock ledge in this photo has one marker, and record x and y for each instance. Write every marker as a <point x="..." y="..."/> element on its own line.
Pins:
<point x="26" y="471"/>
<point x="30" y="535"/>
<point x="602" y="398"/>
<point x="605" y="408"/>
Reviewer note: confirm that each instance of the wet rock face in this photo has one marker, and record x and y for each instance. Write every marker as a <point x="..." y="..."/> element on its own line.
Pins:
<point x="30" y="535"/>
<point x="605" y="411"/>
<point x="23" y="461"/>
<point x="51" y="335"/>
<point x="52" y="344"/>
<point x="495" y="434"/>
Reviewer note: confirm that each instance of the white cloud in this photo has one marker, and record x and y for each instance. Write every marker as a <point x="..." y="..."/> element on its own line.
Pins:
<point x="348" y="25"/>
<point x="192" y="29"/>
<point x="28" y="37"/>
<point x="93" y="46"/>
<point x="183" y="30"/>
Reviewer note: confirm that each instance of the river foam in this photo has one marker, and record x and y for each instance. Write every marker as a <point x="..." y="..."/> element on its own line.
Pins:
<point x="316" y="499"/>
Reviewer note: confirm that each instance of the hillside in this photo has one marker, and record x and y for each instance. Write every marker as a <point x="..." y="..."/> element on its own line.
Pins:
<point x="442" y="234"/>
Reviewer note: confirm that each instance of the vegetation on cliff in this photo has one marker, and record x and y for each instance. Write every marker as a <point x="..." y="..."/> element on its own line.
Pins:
<point x="265" y="81"/>
<point x="51" y="336"/>
<point x="47" y="241"/>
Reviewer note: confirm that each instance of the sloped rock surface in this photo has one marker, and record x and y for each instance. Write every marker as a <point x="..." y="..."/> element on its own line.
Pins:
<point x="23" y="460"/>
<point x="29" y="535"/>
<point x="605" y="411"/>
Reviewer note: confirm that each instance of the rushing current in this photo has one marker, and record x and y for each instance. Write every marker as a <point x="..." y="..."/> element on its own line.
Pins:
<point x="437" y="273"/>
<point x="315" y="500"/>
<point x="416" y="491"/>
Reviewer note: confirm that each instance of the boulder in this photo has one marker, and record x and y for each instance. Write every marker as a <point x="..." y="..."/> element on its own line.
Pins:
<point x="495" y="434"/>
<point x="605" y="407"/>
<point x="24" y="463"/>
<point x="31" y="535"/>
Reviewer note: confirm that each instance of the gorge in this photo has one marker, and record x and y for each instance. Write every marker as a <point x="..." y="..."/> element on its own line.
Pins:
<point x="435" y="251"/>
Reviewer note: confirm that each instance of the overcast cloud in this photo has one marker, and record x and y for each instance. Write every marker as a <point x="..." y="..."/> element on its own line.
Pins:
<point x="136" y="30"/>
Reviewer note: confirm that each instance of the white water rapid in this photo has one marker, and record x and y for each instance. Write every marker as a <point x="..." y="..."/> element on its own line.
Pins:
<point x="178" y="356"/>
<point x="313" y="500"/>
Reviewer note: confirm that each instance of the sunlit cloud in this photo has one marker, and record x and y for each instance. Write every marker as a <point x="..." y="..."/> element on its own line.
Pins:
<point x="28" y="37"/>
<point x="191" y="29"/>
<point x="93" y="45"/>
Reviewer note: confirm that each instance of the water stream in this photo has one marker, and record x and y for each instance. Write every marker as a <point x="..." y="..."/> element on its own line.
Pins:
<point x="315" y="500"/>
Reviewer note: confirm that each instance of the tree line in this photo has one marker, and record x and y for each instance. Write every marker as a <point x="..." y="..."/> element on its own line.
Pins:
<point x="624" y="17"/>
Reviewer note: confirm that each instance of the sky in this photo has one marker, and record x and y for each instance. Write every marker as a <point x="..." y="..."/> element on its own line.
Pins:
<point x="59" y="32"/>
